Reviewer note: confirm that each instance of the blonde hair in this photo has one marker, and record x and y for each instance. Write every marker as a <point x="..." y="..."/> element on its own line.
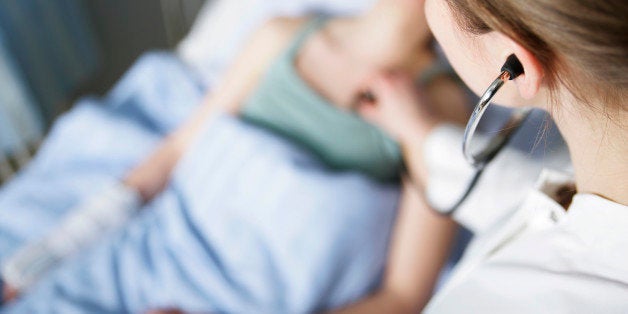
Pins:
<point x="582" y="44"/>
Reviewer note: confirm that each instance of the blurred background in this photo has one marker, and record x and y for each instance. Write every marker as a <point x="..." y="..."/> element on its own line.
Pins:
<point x="53" y="51"/>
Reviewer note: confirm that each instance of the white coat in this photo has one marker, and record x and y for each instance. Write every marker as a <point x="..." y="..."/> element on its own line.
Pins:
<point x="529" y="254"/>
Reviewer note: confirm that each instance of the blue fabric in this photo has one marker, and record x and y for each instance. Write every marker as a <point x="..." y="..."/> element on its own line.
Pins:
<point x="249" y="223"/>
<point x="95" y="144"/>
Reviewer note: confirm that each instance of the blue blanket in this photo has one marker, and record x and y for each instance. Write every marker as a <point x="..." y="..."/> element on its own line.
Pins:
<point x="249" y="223"/>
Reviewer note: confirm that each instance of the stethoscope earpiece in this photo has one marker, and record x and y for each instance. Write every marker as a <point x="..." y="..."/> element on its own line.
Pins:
<point x="513" y="66"/>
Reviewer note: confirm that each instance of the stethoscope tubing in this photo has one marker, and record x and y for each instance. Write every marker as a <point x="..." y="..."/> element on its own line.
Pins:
<point x="510" y="70"/>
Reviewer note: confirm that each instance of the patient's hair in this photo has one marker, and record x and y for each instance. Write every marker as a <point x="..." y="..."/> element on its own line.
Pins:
<point x="582" y="44"/>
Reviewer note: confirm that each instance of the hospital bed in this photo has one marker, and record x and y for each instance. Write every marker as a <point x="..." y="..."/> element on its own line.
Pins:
<point x="94" y="144"/>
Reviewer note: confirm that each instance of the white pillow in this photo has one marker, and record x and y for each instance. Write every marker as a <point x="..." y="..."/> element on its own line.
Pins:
<point x="223" y="26"/>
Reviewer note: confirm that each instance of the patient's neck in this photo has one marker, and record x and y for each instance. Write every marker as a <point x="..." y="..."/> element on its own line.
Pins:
<point x="393" y="32"/>
<point x="386" y="37"/>
<point x="353" y="50"/>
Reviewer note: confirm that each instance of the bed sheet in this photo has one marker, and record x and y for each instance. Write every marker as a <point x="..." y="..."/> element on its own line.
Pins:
<point x="249" y="223"/>
<point x="95" y="144"/>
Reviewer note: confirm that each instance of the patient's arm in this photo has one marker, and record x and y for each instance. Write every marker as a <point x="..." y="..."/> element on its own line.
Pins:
<point x="420" y="246"/>
<point x="151" y="176"/>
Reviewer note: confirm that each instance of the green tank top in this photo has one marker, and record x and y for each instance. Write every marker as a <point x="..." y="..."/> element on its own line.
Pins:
<point x="284" y="103"/>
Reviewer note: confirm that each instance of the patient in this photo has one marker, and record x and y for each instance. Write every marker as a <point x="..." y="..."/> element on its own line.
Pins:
<point x="304" y="79"/>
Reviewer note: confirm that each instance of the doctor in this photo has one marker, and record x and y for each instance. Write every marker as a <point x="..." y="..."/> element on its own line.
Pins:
<point x="563" y="249"/>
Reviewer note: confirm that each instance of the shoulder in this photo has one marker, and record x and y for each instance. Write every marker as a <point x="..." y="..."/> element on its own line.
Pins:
<point x="284" y="25"/>
<point x="264" y="45"/>
<point x="280" y="30"/>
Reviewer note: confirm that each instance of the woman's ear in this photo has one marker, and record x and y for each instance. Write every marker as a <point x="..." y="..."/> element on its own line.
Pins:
<point x="530" y="81"/>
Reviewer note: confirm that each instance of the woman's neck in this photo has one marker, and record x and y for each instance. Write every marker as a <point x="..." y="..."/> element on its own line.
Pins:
<point x="598" y="144"/>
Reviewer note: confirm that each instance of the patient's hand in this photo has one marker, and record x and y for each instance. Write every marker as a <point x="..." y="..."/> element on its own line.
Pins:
<point x="151" y="176"/>
<point x="8" y="294"/>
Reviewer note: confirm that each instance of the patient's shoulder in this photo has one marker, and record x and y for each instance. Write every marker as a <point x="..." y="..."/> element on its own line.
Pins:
<point x="286" y="23"/>
<point x="281" y="30"/>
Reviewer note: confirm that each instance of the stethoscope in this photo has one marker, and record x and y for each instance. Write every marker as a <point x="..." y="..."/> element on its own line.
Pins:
<point x="511" y="69"/>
